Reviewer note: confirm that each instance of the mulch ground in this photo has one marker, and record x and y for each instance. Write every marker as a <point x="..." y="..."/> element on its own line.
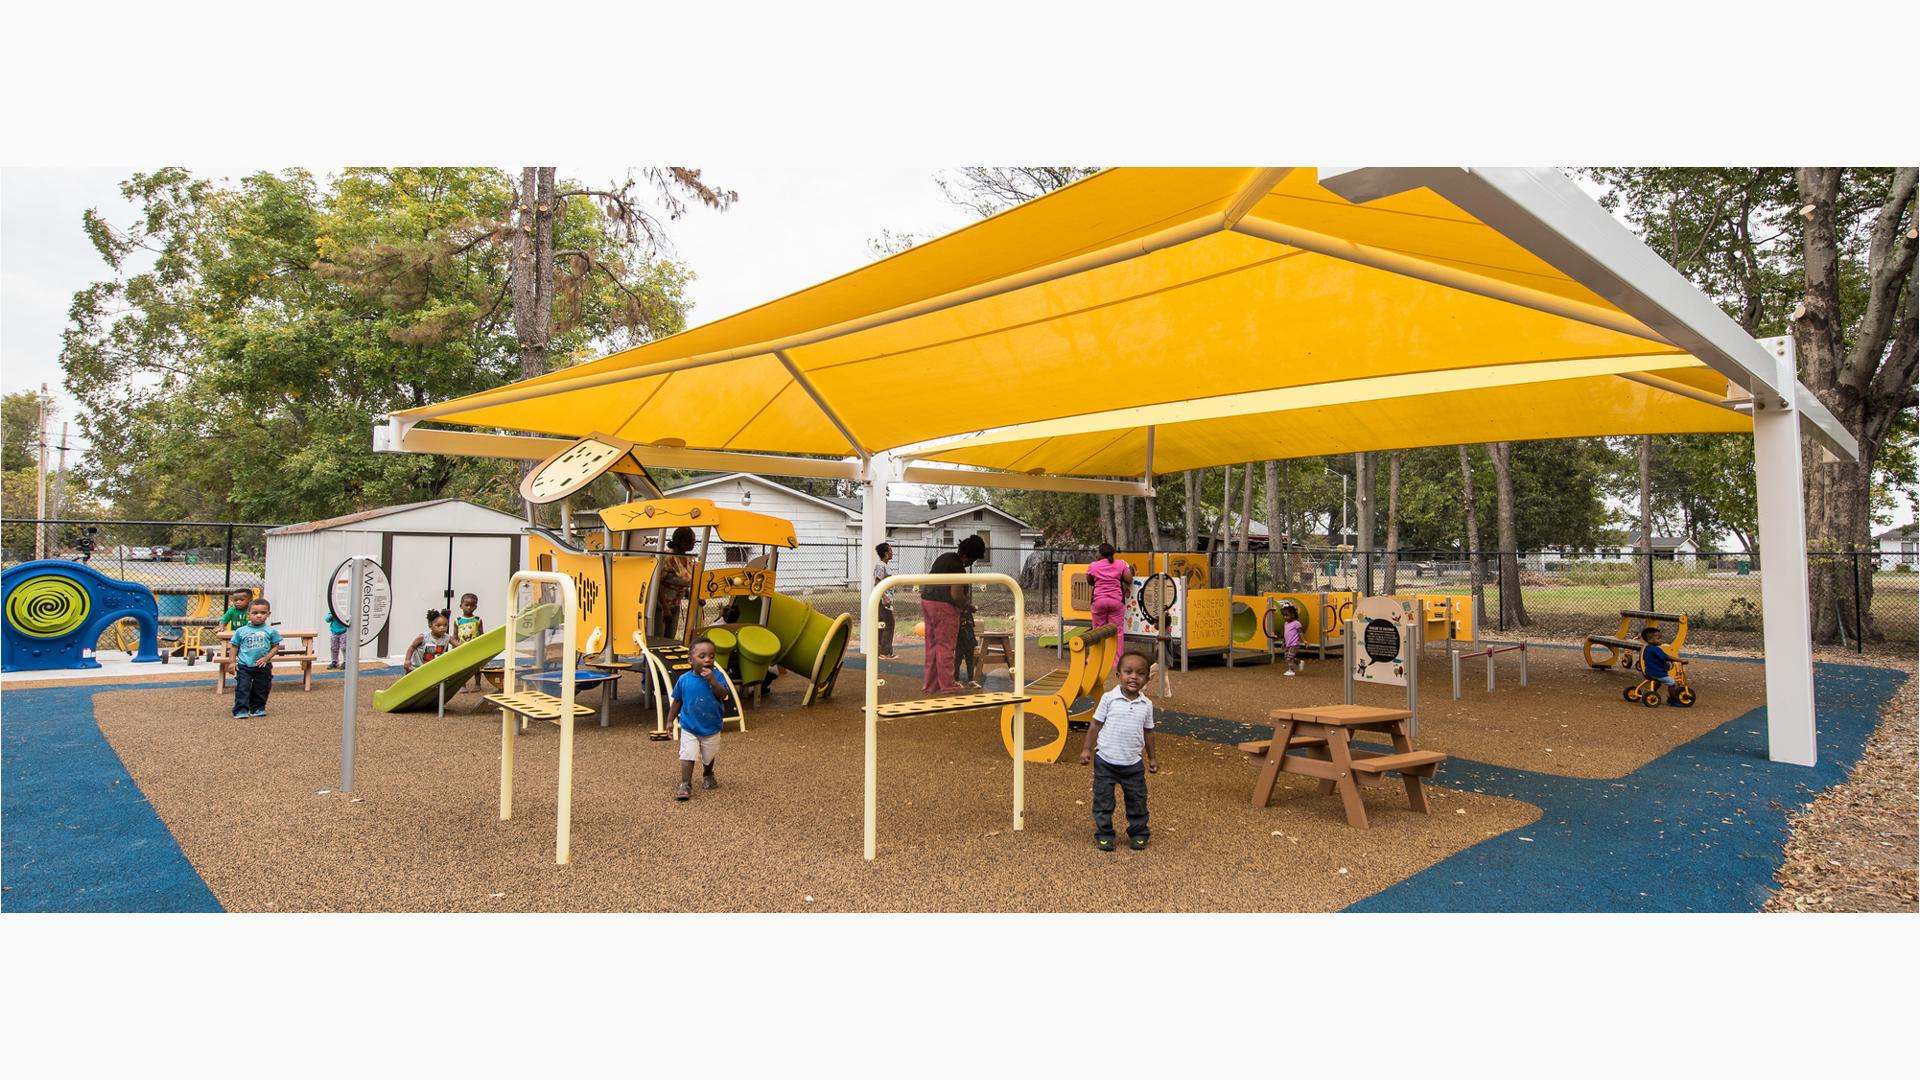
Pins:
<point x="251" y="804"/>
<point x="1857" y="847"/>
<point x="1569" y="720"/>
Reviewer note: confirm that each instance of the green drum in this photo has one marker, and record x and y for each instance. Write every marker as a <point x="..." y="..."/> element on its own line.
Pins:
<point x="791" y="620"/>
<point x="758" y="648"/>
<point x="724" y="642"/>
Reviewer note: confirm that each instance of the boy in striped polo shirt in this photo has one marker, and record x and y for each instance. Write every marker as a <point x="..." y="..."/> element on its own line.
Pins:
<point x="1122" y="726"/>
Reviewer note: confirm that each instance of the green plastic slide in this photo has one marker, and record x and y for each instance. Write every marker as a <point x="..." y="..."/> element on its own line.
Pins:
<point x="416" y="689"/>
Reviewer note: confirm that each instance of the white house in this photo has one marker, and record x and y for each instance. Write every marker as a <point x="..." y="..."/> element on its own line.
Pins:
<point x="828" y="530"/>
<point x="1899" y="547"/>
<point x="428" y="549"/>
<point x="1665" y="549"/>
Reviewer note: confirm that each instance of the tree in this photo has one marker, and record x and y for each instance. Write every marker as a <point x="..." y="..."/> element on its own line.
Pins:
<point x="1827" y="255"/>
<point x="239" y="376"/>
<point x="1392" y="574"/>
<point x="1475" y="573"/>
<point x="1513" y="609"/>
<point x="987" y="191"/>
<point x="1855" y="334"/>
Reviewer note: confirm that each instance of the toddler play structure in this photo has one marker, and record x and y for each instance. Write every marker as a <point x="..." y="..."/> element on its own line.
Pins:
<point x="1622" y="647"/>
<point x="634" y="591"/>
<point x="1051" y="696"/>
<point x="538" y="603"/>
<point x="56" y="612"/>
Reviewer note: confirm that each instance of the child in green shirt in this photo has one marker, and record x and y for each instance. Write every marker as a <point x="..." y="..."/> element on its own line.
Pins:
<point x="237" y="603"/>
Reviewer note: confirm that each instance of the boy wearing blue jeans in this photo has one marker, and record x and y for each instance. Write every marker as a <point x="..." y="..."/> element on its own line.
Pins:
<point x="697" y="708"/>
<point x="1122" y="726"/>
<point x="252" y="649"/>
<point x="1655" y="661"/>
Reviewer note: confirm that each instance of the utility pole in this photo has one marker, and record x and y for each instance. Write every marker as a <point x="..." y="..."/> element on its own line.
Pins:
<point x="60" y="477"/>
<point x="40" y="504"/>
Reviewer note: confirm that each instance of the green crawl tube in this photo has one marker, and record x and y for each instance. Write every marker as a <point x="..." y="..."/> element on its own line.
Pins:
<point x="1246" y="622"/>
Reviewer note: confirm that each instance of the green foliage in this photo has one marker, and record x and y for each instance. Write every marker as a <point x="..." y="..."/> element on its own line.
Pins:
<point x="240" y="375"/>
<point x="19" y="431"/>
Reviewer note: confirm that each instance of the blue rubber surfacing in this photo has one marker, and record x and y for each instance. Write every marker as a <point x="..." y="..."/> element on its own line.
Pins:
<point x="1701" y="828"/>
<point x="76" y="833"/>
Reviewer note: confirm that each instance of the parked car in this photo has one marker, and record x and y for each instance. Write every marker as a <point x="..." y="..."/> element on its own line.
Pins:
<point x="140" y="553"/>
<point x="164" y="553"/>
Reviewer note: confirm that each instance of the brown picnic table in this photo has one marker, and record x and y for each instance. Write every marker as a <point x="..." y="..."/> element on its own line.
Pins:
<point x="1322" y="734"/>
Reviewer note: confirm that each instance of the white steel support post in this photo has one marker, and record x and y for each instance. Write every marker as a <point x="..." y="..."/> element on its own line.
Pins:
<point x="1787" y="626"/>
<point x="876" y="473"/>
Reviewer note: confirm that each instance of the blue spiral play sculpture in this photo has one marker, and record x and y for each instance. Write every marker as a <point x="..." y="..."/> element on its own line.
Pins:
<point x="55" y="610"/>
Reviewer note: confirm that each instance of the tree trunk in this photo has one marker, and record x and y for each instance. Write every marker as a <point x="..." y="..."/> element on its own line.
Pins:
<point x="1150" y="506"/>
<point x="1646" y="523"/>
<point x="1866" y="383"/>
<point x="1246" y="532"/>
<point x="1363" y="513"/>
<point x="1513" y="609"/>
<point x="1392" y="575"/>
<point x="1277" y="576"/>
<point x="530" y="262"/>
<point x="1474" y="570"/>
<point x="1193" y="510"/>
<point x="1217" y="550"/>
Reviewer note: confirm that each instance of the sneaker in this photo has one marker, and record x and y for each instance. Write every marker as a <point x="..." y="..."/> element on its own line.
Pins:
<point x="1288" y="674"/>
<point x="683" y="792"/>
<point x="240" y="714"/>
<point x="258" y="712"/>
<point x="708" y="782"/>
<point x="973" y="684"/>
<point x="1104" y="843"/>
<point x="1138" y="843"/>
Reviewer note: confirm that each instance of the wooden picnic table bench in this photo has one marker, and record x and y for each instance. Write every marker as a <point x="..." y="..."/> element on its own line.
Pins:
<point x="1623" y="648"/>
<point x="302" y="653"/>
<point x="1328" y="755"/>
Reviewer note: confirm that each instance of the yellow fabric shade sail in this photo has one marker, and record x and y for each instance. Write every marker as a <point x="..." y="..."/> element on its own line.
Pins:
<point x="937" y="342"/>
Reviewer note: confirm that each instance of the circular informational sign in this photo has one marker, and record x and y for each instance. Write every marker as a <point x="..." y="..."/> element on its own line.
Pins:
<point x="363" y="604"/>
<point x="1157" y="597"/>
<point x="1381" y="639"/>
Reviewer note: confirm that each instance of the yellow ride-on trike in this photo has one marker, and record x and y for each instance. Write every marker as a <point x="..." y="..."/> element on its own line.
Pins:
<point x="1647" y="692"/>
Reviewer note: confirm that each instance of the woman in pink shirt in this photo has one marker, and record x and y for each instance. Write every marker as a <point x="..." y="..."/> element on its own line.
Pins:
<point x="1111" y="577"/>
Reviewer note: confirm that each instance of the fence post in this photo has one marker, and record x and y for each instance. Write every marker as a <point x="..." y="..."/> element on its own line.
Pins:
<point x="229" y="581"/>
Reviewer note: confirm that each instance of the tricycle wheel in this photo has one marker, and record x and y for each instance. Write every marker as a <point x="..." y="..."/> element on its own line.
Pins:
<point x="1651" y="699"/>
<point x="1631" y="693"/>
<point x="1684" y="697"/>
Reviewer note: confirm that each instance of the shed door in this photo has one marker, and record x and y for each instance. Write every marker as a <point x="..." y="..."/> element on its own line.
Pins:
<point x="423" y="568"/>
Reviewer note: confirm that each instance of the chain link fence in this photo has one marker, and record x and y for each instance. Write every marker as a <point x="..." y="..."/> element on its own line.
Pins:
<point x="191" y="566"/>
<point x="1858" y="597"/>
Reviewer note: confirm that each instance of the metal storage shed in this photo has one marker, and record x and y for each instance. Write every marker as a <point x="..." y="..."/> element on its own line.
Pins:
<point x="426" y="548"/>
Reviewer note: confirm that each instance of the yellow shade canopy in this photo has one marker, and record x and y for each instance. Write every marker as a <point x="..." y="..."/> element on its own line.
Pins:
<point x="1242" y="313"/>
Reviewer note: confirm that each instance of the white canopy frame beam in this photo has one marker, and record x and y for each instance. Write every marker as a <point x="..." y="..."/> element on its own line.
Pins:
<point x="400" y="437"/>
<point x="1547" y="214"/>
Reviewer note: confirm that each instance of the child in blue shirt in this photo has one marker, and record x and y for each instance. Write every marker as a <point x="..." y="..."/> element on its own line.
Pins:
<point x="1655" y="661"/>
<point x="338" y="631"/>
<point x="699" y="710"/>
<point x="252" y="649"/>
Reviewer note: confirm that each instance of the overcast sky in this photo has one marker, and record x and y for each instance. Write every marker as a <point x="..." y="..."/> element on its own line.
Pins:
<point x="791" y="228"/>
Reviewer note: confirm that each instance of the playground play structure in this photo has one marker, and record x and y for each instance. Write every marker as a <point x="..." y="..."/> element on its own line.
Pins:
<point x="56" y="612"/>
<point x="1525" y="311"/>
<point x="631" y="614"/>
<point x="1623" y="648"/>
<point x="538" y="602"/>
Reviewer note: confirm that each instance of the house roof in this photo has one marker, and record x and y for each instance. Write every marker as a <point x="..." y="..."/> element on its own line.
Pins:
<point x="911" y="513"/>
<point x="1658" y="541"/>
<point x="368" y="515"/>
<point x="1899" y="532"/>
<point x="829" y="502"/>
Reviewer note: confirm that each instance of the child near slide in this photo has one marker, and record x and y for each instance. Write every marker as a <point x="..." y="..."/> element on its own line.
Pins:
<point x="467" y="625"/>
<point x="698" y="708"/>
<point x="435" y="641"/>
<point x="1111" y="577"/>
<point x="1122" y="727"/>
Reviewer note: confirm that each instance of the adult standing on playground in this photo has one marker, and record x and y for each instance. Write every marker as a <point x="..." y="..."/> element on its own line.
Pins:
<point x="940" y="607"/>
<point x="1111" y="578"/>
<point x="883" y="554"/>
<point x="676" y="580"/>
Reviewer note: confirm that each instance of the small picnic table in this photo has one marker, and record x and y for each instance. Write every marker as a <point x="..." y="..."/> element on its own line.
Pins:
<point x="1323" y="735"/>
